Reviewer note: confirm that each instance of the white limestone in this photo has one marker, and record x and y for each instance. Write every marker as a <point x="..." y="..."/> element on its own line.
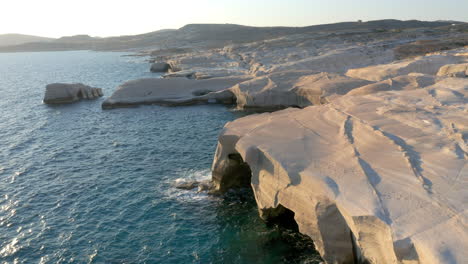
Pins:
<point x="292" y="88"/>
<point x="179" y="91"/>
<point x="381" y="177"/>
<point x="454" y="70"/>
<point x="426" y="64"/>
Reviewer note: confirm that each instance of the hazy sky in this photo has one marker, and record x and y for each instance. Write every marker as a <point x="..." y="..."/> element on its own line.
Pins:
<point x="54" y="18"/>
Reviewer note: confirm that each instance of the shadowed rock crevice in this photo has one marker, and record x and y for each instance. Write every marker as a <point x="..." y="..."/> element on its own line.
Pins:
<point x="233" y="173"/>
<point x="281" y="216"/>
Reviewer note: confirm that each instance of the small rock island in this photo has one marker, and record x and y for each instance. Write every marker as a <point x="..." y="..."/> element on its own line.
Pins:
<point x="65" y="93"/>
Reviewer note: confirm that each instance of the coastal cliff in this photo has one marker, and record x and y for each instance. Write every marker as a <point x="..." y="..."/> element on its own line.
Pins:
<point x="378" y="178"/>
<point x="370" y="157"/>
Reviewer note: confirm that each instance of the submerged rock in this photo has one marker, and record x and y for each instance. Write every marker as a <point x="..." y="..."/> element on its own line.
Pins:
<point x="378" y="177"/>
<point x="62" y="93"/>
<point x="188" y="185"/>
<point x="201" y="186"/>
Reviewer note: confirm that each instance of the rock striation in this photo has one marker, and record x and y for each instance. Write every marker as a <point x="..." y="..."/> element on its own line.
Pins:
<point x="63" y="93"/>
<point x="404" y="82"/>
<point x="426" y="64"/>
<point x="381" y="177"/>
<point x="454" y="70"/>
<point x="272" y="90"/>
<point x="292" y="89"/>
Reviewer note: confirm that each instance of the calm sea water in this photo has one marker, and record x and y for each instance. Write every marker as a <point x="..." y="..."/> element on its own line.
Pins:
<point x="83" y="185"/>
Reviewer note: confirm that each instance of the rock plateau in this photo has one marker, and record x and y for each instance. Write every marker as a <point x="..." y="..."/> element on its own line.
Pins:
<point x="380" y="177"/>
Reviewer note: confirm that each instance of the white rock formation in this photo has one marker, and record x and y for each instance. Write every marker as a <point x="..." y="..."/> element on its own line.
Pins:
<point x="322" y="52"/>
<point x="292" y="88"/>
<point x="61" y="93"/>
<point x="404" y="82"/>
<point x="454" y="70"/>
<point x="180" y="91"/>
<point x="270" y="92"/>
<point x="380" y="177"/>
<point x="204" y="65"/>
<point x="426" y="64"/>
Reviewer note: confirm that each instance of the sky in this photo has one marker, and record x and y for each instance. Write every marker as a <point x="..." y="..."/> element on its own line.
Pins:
<point x="55" y="18"/>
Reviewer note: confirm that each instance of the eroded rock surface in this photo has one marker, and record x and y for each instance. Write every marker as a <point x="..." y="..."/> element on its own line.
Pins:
<point x="454" y="70"/>
<point x="292" y="89"/>
<point x="423" y="47"/>
<point x="173" y="92"/>
<point x="62" y="93"/>
<point x="273" y="90"/>
<point x="426" y="64"/>
<point x="404" y="82"/>
<point x="380" y="177"/>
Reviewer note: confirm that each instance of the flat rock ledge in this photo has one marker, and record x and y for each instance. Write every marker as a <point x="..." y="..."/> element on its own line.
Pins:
<point x="375" y="178"/>
<point x="64" y="93"/>
<point x="173" y="92"/>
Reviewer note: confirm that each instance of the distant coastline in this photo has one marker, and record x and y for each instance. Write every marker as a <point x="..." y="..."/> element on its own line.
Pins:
<point x="202" y="36"/>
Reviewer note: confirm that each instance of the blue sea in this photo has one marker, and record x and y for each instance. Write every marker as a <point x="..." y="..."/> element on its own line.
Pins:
<point x="79" y="184"/>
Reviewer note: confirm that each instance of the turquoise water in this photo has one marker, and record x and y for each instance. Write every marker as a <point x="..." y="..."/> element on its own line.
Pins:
<point x="83" y="185"/>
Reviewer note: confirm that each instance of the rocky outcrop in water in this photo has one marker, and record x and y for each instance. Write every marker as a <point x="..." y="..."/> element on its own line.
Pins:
<point x="378" y="177"/>
<point x="63" y="93"/>
<point x="173" y="92"/>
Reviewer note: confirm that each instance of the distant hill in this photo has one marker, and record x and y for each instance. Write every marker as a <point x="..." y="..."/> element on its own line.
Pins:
<point x="210" y="36"/>
<point x="17" y="39"/>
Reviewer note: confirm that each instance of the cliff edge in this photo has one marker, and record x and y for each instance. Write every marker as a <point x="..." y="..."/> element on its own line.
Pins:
<point x="380" y="177"/>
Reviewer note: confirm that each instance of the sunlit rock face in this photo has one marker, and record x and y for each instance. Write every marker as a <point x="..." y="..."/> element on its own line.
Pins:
<point x="273" y="90"/>
<point x="380" y="177"/>
<point x="292" y="89"/>
<point x="63" y="93"/>
<point x="427" y="65"/>
<point x="454" y="70"/>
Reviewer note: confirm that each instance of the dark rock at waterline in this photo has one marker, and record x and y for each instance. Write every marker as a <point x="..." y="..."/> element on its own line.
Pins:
<point x="63" y="93"/>
<point x="159" y="67"/>
<point x="189" y="185"/>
